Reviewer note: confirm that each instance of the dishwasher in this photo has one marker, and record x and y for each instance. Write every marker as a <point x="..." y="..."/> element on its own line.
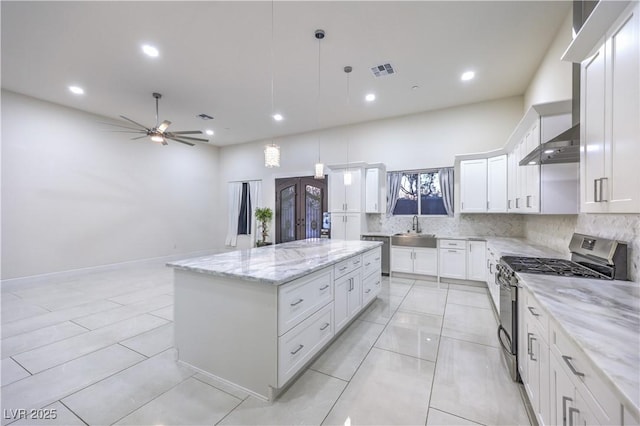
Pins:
<point x="386" y="249"/>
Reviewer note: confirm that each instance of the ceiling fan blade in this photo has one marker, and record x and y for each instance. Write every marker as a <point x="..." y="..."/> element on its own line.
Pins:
<point x="163" y="126"/>
<point x="164" y="142"/>
<point x="121" y="126"/>
<point x="181" y="141"/>
<point x="188" y="132"/>
<point x="190" y="138"/>
<point x="134" y="122"/>
<point x="126" y="131"/>
<point x="139" y="137"/>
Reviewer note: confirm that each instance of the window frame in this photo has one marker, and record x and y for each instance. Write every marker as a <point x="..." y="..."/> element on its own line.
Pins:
<point x="419" y="196"/>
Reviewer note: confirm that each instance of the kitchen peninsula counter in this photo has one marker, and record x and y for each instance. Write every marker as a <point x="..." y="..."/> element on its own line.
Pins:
<point x="256" y="318"/>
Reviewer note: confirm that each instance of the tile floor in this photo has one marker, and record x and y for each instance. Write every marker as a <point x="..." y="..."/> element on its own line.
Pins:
<point x="97" y="349"/>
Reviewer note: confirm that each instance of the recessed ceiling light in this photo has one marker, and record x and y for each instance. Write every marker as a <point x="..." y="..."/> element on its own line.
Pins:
<point x="415" y="87"/>
<point x="150" y="51"/>
<point x="76" y="90"/>
<point x="209" y="132"/>
<point x="469" y="75"/>
<point x="370" y="97"/>
<point x="278" y="117"/>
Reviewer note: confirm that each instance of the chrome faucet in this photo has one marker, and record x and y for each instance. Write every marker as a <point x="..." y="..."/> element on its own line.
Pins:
<point x="416" y="224"/>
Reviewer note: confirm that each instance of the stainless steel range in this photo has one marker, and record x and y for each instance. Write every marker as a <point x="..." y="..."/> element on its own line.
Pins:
<point x="591" y="257"/>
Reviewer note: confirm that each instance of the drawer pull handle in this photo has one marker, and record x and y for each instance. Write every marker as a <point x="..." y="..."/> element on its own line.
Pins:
<point x="452" y="251"/>
<point x="297" y="350"/>
<point x="567" y="360"/>
<point x="376" y="259"/>
<point x="531" y="309"/>
<point x="367" y="291"/>
<point x="533" y="339"/>
<point x="343" y="268"/>
<point x="324" y="327"/>
<point x="298" y="302"/>
<point x="378" y="282"/>
<point x="367" y="264"/>
<point x="356" y="262"/>
<point x="325" y="287"/>
<point x="529" y="335"/>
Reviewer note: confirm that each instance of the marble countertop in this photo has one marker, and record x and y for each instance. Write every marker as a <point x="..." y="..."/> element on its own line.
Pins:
<point x="504" y="246"/>
<point x="276" y="264"/>
<point x="603" y="319"/>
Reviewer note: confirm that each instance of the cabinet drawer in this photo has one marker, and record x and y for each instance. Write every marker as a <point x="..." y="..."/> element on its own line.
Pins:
<point x="301" y="343"/>
<point x="372" y="261"/>
<point x="454" y="244"/>
<point x="346" y="266"/>
<point x="537" y="315"/>
<point x="597" y="394"/>
<point x="371" y="286"/>
<point x="300" y="298"/>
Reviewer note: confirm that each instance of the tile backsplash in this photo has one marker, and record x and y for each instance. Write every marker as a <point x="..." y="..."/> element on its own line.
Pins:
<point x="555" y="232"/>
<point x="503" y="225"/>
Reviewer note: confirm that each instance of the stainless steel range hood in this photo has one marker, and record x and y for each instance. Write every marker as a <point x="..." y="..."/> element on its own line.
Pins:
<point x="564" y="148"/>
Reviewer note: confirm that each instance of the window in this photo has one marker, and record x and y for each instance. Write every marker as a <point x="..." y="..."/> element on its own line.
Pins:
<point x="420" y="193"/>
<point x="244" y="218"/>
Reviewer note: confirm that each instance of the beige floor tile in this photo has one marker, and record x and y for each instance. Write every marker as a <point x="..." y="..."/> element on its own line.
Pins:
<point x="192" y="402"/>
<point x="102" y="319"/>
<point x="471" y="382"/>
<point x="231" y="390"/>
<point x="425" y="300"/>
<point x="41" y="337"/>
<point x="482" y="289"/>
<point x="440" y="418"/>
<point x="54" y="414"/>
<point x="19" y="309"/>
<point x="470" y="324"/>
<point x="469" y="298"/>
<point x="345" y="354"/>
<point x="166" y="313"/>
<point x="417" y="321"/>
<point x="127" y="390"/>
<point x="12" y="371"/>
<point x="152" y="342"/>
<point x="381" y="309"/>
<point x="407" y="341"/>
<point x="306" y="402"/>
<point x="388" y="389"/>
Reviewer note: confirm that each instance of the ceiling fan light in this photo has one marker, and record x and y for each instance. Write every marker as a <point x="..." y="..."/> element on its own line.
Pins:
<point x="272" y="155"/>
<point x="157" y="138"/>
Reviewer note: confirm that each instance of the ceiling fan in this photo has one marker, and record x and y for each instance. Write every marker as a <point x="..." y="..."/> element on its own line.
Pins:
<point x="159" y="133"/>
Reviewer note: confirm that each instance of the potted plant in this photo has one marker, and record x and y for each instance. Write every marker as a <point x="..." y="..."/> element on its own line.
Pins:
<point x="264" y="216"/>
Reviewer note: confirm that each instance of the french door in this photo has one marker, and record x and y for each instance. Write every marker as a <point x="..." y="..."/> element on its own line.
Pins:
<point x="300" y="203"/>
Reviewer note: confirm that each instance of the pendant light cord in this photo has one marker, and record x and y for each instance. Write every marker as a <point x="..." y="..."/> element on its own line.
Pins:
<point x="318" y="100"/>
<point x="272" y="61"/>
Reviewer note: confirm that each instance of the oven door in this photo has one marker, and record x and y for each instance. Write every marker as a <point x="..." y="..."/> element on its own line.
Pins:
<point x="508" y="328"/>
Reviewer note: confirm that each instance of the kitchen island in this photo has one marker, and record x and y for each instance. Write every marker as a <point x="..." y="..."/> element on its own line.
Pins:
<point x="255" y="318"/>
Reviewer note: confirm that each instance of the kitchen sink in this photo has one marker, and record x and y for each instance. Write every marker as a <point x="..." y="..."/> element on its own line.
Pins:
<point x="414" y="240"/>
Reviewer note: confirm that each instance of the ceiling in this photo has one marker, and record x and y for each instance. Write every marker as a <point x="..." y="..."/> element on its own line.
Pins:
<point x="216" y="58"/>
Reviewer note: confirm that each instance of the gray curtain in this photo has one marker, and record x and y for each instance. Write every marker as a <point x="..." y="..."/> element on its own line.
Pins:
<point x="446" y="184"/>
<point x="393" y="188"/>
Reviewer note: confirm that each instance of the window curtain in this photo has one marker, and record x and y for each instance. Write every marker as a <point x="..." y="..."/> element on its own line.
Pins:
<point x="234" y="199"/>
<point x="255" y="194"/>
<point x="446" y="185"/>
<point x="393" y="189"/>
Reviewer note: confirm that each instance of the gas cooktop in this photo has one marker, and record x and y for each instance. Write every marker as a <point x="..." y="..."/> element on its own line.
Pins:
<point x="549" y="266"/>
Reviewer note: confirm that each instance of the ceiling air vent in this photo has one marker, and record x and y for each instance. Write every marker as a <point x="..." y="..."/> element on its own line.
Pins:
<point x="205" y="117"/>
<point x="382" y="70"/>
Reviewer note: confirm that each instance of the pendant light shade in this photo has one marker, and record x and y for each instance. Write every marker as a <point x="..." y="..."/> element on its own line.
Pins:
<point x="272" y="155"/>
<point x="319" y="171"/>
<point x="347" y="177"/>
<point x="319" y="168"/>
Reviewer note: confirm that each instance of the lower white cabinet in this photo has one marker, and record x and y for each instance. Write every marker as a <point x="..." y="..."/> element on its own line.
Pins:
<point x="371" y="286"/>
<point x="346" y="226"/>
<point x="414" y="260"/>
<point x="348" y="298"/>
<point x="494" y="289"/>
<point x="476" y="260"/>
<point x="453" y="259"/>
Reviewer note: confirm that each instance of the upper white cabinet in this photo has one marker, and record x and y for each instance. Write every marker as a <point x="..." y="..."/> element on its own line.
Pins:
<point x="610" y="124"/>
<point x="483" y="185"/>
<point x="473" y="186"/>
<point x="346" y="197"/>
<point x="374" y="190"/>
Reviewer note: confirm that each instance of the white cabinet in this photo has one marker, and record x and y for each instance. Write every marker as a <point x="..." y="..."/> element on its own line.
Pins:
<point x="371" y="286"/>
<point x="374" y="190"/>
<point x="512" y="181"/>
<point x="610" y="128"/>
<point x="346" y="226"/>
<point x="414" y="260"/>
<point x="346" y="198"/>
<point x="348" y="298"/>
<point x="494" y="288"/>
<point x="497" y="184"/>
<point x="453" y="259"/>
<point x="476" y="259"/>
<point x="473" y="186"/>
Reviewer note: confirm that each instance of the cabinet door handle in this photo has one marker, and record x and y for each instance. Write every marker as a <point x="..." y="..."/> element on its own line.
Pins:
<point x="601" y="192"/>
<point x="567" y="360"/>
<point x="564" y="409"/>
<point x="491" y="268"/>
<point x="533" y="339"/>
<point x="367" y="291"/>
<point x="452" y="251"/>
<point x="531" y="309"/>
<point x="509" y="204"/>
<point x="595" y="190"/>
<point x="487" y="263"/>
<point x="324" y="287"/>
<point x="297" y="350"/>
<point x="377" y="259"/>
<point x="367" y="264"/>
<point x="462" y="205"/>
<point x="297" y="302"/>
<point x="324" y="327"/>
<point x="378" y="283"/>
<point x="528" y="200"/>
<point x="517" y="203"/>
<point x="529" y="335"/>
<point x="571" y="411"/>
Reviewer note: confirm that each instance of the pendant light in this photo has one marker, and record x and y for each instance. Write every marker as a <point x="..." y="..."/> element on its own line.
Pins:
<point x="347" y="173"/>
<point x="272" y="151"/>
<point x="319" y="169"/>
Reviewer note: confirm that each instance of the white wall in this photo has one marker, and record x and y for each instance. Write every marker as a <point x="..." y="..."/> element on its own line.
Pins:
<point x="76" y="196"/>
<point x="425" y="140"/>
<point x="552" y="80"/>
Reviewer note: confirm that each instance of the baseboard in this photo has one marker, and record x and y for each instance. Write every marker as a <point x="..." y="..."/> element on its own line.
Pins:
<point x="71" y="273"/>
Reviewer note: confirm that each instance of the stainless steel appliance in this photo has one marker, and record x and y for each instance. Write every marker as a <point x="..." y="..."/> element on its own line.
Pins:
<point x="386" y="250"/>
<point x="591" y="257"/>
